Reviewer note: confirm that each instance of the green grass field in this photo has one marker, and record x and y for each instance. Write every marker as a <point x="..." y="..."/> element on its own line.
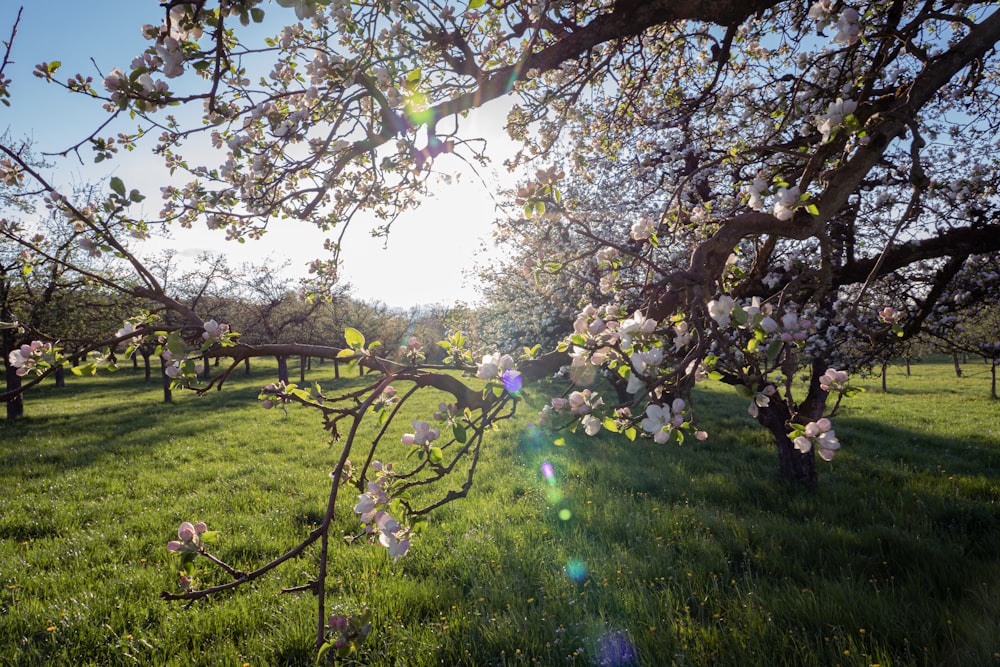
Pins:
<point x="632" y="554"/>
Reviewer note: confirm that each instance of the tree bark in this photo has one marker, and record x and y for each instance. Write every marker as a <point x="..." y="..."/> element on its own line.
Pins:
<point x="958" y="367"/>
<point x="885" y="367"/>
<point x="282" y="369"/>
<point x="302" y="370"/>
<point x="60" y="377"/>
<point x="168" y="394"/>
<point x="993" y="377"/>
<point x="15" y="406"/>
<point x="794" y="466"/>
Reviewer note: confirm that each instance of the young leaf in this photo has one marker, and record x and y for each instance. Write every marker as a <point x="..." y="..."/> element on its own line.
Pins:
<point x="354" y="338"/>
<point x="118" y="186"/>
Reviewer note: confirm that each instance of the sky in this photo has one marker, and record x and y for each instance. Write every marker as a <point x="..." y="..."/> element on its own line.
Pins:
<point x="427" y="258"/>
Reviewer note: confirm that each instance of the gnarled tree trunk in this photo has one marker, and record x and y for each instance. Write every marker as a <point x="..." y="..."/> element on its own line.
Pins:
<point x="795" y="466"/>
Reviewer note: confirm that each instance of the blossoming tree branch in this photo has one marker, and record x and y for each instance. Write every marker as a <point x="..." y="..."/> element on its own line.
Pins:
<point x="761" y="193"/>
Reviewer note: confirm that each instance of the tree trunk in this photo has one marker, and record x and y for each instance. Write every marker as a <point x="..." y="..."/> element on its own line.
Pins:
<point x="283" y="370"/>
<point x="336" y="369"/>
<point x="885" y="367"/>
<point x="958" y="368"/>
<point x="147" y="367"/>
<point x="15" y="406"/>
<point x="302" y="370"/>
<point x="60" y="377"/>
<point x="907" y="367"/>
<point x="794" y="466"/>
<point x="168" y="394"/>
<point x="135" y="361"/>
<point x="246" y="366"/>
<point x="993" y="377"/>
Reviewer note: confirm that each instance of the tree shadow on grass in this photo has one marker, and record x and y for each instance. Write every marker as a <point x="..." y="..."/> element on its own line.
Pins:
<point x="903" y="520"/>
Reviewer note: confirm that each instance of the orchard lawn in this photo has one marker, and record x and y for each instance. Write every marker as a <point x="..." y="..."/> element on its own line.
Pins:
<point x="618" y="553"/>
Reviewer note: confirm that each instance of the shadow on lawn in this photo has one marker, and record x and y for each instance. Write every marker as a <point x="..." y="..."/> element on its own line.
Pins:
<point x="885" y="510"/>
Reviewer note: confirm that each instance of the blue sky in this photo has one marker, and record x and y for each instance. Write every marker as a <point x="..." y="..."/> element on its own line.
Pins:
<point x="411" y="270"/>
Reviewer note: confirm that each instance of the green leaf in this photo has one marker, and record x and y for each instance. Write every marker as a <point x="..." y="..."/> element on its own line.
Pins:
<point x="118" y="186"/>
<point x="812" y="209"/>
<point x="413" y="450"/>
<point x="210" y="536"/>
<point x="257" y="15"/>
<point x="459" y="432"/>
<point x="714" y="375"/>
<point x="752" y="345"/>
<point x="345" y="353"/>
<point x="559" y="442"/>
<point x="610" y="424"/>
<point x="323" y="650"/>
<point x="175" y="344"/>
<point x="476" y="4"/>
<point x="774" y="349"/>
<point x="354" y="338"/>
<point x="631" y="433"/>
<point x="435" y="454"/>
<point x="744" y="391"/>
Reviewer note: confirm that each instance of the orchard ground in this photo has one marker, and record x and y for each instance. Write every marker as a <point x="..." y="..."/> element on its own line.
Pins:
<point x="614" y="553"/>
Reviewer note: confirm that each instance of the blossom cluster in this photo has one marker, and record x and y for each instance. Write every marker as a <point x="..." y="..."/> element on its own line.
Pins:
<point x="30" y="357"/>
<point x="189" y="537"/>
<point x="494" y="366"/>
<point x="833" y="380"/>
<point x="373" y="508"/>
<point x="835" y="116"/>
<point x="817" y="434"/>
<point x="422" y="434"/>
<point x="579" y="403"/>
<point x="664" y="421"/>
<point x="412" y="352"/>
<point x="500" y="367"/>
<point x="132" y="330"/>
<point x="847" y="24"/>
<point x="215" y="332"/>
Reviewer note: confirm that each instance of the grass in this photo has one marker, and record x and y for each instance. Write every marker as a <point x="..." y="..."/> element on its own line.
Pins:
<point x="633" y="554"/>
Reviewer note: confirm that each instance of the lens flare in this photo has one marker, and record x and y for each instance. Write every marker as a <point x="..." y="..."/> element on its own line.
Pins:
<point x="615" y="650"/>
<point x="512" y="381"/>
<point x="548" y="472"/>
<point x="576" y="570"/>
<point x="565" y="514"/>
